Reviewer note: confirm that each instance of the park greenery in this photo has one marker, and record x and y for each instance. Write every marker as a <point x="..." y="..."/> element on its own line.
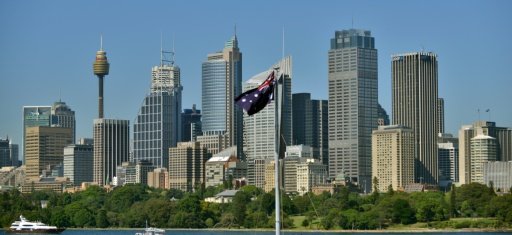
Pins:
<point x="131" y="206"/>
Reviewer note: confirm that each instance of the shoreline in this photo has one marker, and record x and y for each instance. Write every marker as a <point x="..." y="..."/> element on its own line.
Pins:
<point x="418" y="230"/>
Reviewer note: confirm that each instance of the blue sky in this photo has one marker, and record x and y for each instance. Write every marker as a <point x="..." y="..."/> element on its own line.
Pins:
<point x="47" y="49"/>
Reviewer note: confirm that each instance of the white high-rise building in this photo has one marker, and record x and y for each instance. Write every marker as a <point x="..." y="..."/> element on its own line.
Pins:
<point x="259" y="129"/>
<point x="483" y="149"/>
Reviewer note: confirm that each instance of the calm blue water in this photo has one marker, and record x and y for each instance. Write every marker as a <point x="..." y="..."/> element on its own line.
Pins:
<point x="206" y="232"/>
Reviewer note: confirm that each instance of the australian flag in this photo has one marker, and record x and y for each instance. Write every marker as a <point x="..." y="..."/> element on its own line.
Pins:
<point x="254" y="100"/>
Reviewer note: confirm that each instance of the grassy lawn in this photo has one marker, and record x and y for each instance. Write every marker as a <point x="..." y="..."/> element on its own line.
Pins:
<point x="452" y="224"/>
<point x="297" y="223"/>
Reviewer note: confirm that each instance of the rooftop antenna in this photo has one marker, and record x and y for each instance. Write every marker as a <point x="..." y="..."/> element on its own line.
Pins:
<point x="173" y="51"/>
<point x="101" y="42"/>
<point x="161" y="51"/>
<point x="352" y="21"/>
<point x="283" y="44"/>
<point x="164" y="55"/>
<point x="235" y="30"/>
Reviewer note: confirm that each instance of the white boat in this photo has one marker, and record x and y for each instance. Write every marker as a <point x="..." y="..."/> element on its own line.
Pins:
<point x="152" y="231"/>
<point x="25" y="226"/>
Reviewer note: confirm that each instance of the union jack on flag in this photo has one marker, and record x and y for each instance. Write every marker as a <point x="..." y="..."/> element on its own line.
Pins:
<point x="254" y="100"/>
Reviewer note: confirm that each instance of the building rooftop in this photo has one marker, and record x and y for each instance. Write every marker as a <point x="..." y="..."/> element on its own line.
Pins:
<point x="482" y="137"/>
<point x="227" y="193"/>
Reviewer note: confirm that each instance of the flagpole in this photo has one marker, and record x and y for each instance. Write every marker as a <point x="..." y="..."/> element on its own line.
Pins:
<point x="277" y="121"/>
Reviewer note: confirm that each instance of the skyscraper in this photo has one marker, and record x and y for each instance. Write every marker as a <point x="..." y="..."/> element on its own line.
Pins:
<point x="259" y="129"/>
<point x="35" y="116"/>
<point x="191" y="125"/>
<point x="63" y="116"/>
<point x="302" y="119"/>
<point x="310" y="126"/>
<point x="111" y="148"/>
<point x="45" y="148"/>
<point x="221" y="83"/>
<point x="414" y="89"/>
<point x="320" y="130"/>
<point x="353" y="90"/>
<point x="158" y="123"/>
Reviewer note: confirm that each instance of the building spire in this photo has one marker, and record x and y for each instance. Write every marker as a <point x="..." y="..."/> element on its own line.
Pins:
<point x="173" y="51"/>
<point x="101" y="42"/>
<point x="235" y="31"/>
<point x="161" y="50"/>
<point x="283" y="44"/>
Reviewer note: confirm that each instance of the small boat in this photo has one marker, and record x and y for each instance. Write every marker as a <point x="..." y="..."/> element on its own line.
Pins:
<point x="26" y="226"/>
<point x="152" y="231"/>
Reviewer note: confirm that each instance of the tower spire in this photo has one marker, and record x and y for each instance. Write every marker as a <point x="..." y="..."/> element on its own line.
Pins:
<point x="161" y="50"/>
<point x="101" y="68"/>
<point x="173" y="51"/>
<point x="283" y="44"/>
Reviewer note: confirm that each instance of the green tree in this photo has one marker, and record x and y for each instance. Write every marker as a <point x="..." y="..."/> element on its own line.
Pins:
<point x="375" y="184"/>
<point x="351" y="219"/>
<point x="403" y="212"/>
<point x="101" y="219"/>
<point x="453" y="205"/>
<point x="83" y="218"/>
<point x="301" y="203"/>
<point x="257" y="219"/>
<point x="190" y="203"/>
<point x="429" y="206"/>
<point x="209" y="223"/>
<point x="267" y="203"/>
<point x="375" y="193"/>
<point x="390" y="190"/>
<point x="477" y="196"/>
<point x="467" y="209"/>
<point x="121" y="198"/>
<point x="227" y="220"/>
<point x="305" y="222"/>
<point x="238" y="206"/>
<point x="59" y="218"/>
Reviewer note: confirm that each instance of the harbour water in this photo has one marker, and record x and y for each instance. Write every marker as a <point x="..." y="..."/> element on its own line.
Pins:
<point x="244" y="232"/>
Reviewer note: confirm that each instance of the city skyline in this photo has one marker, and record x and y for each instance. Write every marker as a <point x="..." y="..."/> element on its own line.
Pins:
<point x="469" y="38"/>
